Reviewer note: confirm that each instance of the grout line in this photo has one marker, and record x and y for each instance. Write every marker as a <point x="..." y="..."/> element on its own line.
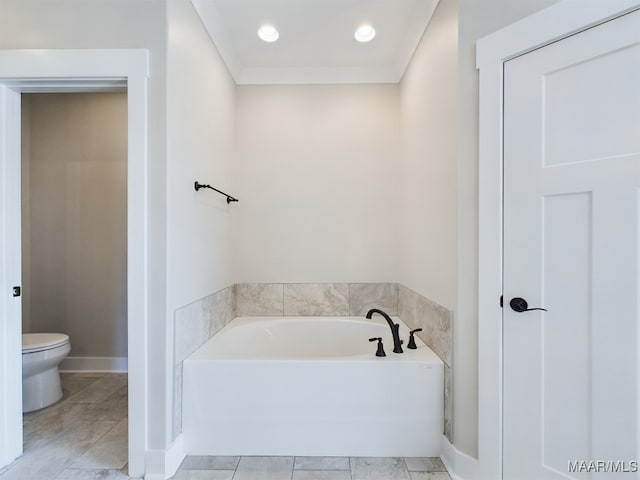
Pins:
<point x="406" y="467"/>
<point x="236" y="469"/>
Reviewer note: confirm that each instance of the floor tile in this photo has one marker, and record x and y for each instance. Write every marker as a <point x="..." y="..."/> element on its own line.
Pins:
<point x="46" y="461"/>
<point x="51" y="424"/>
<point x="98" y="474"/>
<point x="113" y="407"/>
<point x="424" y="464"/>
<point x="264" y="468"/>
<point x="377" y="468"/>
<point x="321" y="475"/>
<point x="77" y="438"/>
<point x="58" y="412"/>
<point x="429" y="476"/>
<point x="209" y="463"/>
<point x="109" y="452"/>
<point x="322" y="463"/>
<point x="72" y="383"/>
<point x="99" y="390"/>
<point x="59" y="435"/>
<point x="204" y="475"/>
<point x="440" y="476"/>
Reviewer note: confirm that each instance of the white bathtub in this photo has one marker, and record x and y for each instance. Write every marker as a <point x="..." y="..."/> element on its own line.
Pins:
<point x="311" y="386"/>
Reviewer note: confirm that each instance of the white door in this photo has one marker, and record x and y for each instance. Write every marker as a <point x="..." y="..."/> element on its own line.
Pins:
<point x="571" y="245"/>
<point x="10" y="277"/>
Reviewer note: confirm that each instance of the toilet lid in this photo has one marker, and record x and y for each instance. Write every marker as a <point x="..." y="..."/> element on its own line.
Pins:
<point x="37" y="342"/>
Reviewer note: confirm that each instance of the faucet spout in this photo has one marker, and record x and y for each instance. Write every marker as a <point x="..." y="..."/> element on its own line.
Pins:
<point x="397" y="343"/>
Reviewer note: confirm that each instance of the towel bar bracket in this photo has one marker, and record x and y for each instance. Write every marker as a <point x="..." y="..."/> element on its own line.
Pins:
<point x="197" y="185"/>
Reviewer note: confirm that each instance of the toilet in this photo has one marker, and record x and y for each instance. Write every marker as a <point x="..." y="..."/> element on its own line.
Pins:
<point x="41" y="355"/>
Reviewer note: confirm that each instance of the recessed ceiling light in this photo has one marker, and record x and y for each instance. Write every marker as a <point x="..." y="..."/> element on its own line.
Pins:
<point x="365" y="33"/>
<point x="268" y="33"/>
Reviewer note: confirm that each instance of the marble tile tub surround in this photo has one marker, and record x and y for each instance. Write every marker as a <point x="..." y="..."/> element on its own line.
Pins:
<point x="303" y="299"/>
<point x="257" y="299"/>
<point x="434" y="319"/>
<point x="365" y="296"/>
<point x="315" y="299"/>
<point x="194" y="324"/>
<point x="436" y="322"/>
<point x="197" y="322"/>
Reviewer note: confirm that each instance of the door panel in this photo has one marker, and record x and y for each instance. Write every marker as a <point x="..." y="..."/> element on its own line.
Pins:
<point x="580" y="126"/>
<point x="10" y="276"/>
<point x="571" y="222"/>
<point x="566" y="379"/>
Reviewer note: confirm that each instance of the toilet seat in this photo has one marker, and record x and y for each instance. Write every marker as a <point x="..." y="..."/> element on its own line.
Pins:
<point x="40" y="342"/>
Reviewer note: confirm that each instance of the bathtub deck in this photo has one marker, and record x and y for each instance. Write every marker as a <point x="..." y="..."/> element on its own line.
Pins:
<point x="248" y="392"/>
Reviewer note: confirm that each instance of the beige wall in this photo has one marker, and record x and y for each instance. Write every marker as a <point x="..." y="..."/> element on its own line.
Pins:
<point x="476" y="19"/>
<point x="316" y="173"/>
<point x="428" y="168"/>
<point x="428" y="184"/>
<point x="439" y="179"/>
<point x="200" y="126"/>
<point x="75" y="240"/>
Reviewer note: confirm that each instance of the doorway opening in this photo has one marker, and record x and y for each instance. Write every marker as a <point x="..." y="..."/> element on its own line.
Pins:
<point x="57" y="71"/>
<point x="74" y="269"/>
<point x="74" y="224"/>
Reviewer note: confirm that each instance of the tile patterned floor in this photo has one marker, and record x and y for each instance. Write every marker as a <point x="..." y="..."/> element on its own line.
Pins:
<point x="84" y="437"/>
<point x="311" y="468"/>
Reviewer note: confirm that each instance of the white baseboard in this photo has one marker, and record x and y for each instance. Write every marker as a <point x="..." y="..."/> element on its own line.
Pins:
<point x="460" y="465"/>
<point x="163" y="464"/>
<point x="94" y="364"/>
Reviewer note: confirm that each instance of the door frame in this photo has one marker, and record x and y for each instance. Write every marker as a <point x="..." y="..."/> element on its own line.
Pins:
<point x="552" y="24"/>
<point x="78" y="71"/>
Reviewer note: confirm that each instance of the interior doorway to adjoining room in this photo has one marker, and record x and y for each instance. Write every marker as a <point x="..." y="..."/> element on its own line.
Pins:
<point x="53" y="71"/>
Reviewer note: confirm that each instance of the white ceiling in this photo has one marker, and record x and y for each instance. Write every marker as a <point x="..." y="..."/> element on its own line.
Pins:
<point x="316" y="42"/>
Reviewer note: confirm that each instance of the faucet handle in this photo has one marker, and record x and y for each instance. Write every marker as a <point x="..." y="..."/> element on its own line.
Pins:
<point x="412" y="341"/>
<point x="380" y="351"/>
